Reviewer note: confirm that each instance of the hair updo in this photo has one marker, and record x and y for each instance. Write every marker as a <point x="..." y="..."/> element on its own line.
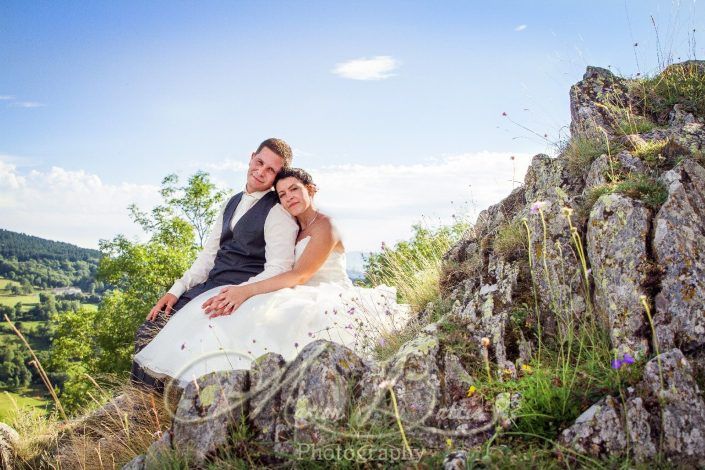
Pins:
<point x="298" y="173"/>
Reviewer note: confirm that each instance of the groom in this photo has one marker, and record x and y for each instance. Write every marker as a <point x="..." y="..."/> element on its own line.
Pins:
<point x="252" y="238"/>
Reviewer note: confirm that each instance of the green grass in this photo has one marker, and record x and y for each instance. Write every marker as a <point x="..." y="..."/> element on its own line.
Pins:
<point x="679" y="84"/>
<point x="6" y="283"/>
<point x="510" y="242"/>
<point x="28" y="301"/>
<point x="10" y="402"/>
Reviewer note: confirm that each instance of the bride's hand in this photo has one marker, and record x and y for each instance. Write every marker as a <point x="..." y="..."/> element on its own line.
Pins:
<point x="226" y="302"/>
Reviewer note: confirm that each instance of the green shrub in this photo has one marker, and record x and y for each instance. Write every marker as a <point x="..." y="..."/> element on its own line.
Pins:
<point x="414" y="266"/>
<point x="510" y="242"/>
<point x="678" y="84"/>
<point x="644" y="188"/>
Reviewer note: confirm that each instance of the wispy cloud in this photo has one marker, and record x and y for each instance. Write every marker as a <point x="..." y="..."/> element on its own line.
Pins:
<point x="521" y="27"/>
<point x="26" y="104"/>
<point x="6" y="97"/>
<point x="376" y="68"/>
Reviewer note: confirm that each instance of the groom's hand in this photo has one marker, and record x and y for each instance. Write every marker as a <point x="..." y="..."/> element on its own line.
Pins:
<point x="165" y="303"/>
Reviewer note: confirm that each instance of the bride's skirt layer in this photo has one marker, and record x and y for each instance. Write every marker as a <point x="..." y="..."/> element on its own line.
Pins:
<point x="191" y="344"/>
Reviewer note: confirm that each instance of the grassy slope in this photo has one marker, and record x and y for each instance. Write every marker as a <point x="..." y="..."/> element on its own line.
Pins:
<point x="10" y="401"/>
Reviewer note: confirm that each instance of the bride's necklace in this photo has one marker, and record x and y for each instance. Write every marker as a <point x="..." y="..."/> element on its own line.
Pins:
<point x="312" y="221"/>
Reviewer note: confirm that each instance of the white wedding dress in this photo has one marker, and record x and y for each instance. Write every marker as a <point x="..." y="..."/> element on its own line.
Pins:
<point x="328" y="307"/>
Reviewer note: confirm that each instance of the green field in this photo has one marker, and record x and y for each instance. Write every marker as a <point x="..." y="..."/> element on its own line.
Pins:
<point x="6" y="283"/>
<point x="11" y="401"/>
<point x="28" y="301"/>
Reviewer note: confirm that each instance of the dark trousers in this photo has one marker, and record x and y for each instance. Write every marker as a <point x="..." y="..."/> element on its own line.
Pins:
<point x="149" y="329"/>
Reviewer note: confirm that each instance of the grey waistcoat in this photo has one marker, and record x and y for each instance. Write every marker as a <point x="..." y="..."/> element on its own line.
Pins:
<point x="241" y="253"/>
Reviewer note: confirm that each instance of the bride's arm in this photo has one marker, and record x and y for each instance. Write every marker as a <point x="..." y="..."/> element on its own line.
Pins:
<point x="323" y="241"/>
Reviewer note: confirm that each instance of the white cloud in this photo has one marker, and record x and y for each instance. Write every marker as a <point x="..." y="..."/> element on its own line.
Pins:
<point x="521" y="27"/>
<point x="6" y="97"/>
<point x="375" y="203"/>
<point x="371" y="203"/>
<point x="71" y="206"/>
<point x="376" y="68"/>
<point x="26" y="104"/>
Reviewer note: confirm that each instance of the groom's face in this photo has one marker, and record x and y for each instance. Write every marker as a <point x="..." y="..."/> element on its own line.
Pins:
<point x="264" y="166"/>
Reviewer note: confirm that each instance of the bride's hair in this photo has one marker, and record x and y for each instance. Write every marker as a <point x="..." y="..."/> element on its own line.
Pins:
<point x="298" y="173"/>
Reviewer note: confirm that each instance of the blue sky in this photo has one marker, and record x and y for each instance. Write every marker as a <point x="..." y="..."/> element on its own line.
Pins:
<point x="99" y="101"/>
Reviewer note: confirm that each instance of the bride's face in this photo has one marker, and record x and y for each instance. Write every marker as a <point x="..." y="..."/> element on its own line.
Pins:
<point x="295" y="196"/>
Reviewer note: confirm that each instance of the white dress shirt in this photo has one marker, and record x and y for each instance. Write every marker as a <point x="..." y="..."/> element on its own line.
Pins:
<point x="280" y="231"/>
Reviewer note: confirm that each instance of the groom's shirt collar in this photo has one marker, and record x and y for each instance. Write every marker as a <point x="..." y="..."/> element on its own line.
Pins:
<point x="255" y="194"/>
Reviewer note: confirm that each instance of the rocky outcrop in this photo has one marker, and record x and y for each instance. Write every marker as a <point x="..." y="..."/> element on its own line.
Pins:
<point x="548" y="258"/>
<point x="679" y="247"/>
<point x="663" y="415"/>
<point x="617" y="242"/>
<point x="208" y="410"/>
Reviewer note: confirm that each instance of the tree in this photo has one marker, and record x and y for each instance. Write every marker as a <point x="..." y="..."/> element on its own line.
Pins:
<point x="197" y="202"/>
<point x="140" y="272"/>
<point x="18" y="309"/>
<point x="14" y="372"/>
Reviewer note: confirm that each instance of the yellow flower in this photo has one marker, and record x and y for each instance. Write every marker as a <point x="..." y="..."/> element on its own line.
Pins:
<point x="449" y="443"/>
<point x="471" y="391"/>
<point x="526" y="368"/>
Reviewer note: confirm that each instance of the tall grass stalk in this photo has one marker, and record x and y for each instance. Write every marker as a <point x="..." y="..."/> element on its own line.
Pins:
<point x="37" y="363"/>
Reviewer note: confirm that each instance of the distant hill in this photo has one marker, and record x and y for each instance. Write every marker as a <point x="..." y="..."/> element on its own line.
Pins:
<point x="355" y="261"/>
<point x="46" y="263"/>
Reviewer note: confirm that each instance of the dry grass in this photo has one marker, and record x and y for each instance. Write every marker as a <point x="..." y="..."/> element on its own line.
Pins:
<point x="107" y="437"/>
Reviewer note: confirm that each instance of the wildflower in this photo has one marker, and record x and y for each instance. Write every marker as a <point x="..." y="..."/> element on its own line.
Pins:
<point x="627" y="359"/>
<point x="567" y="211"/>
<point x="616" y="363"/>
<point x="504" y="114"/>
<point x="449" y="443"/>
<point x="485" y="342"/>
<point x="310" y="335"/>
<point x="382" y="342"/>
<point x="538" y="206"/>
<point x="183" y="346"/>
<point x="471" y="391"/>
<point x="385" y="384"/>
<point x="526" y="368"/>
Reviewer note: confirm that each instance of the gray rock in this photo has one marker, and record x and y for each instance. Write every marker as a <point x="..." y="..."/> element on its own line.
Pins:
<point x="601" y="169"/>
<point x="617" y="236"/>
<point x="670" y="382"/>
<point x="679" y="248"/>
<point x="664" y="414"/>
<point x="457" y="380"/>
<point x="598" y="87"/>
<point x="265" y="394"/>
<point x="9" y="440"/>
<point x="318" y="388"/>
<point x="208" y="410"/>
<point x="138" y="463"/>
<point x="158" y="451"/>
<point x="455" y="461"/>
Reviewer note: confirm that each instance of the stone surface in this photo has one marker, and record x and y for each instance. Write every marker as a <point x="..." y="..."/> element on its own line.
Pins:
<point x="265" y="394"/>
<point x="317" y="389"/>
<point x="208" y="410"/>
<point x="455" y="461"/>
<point x="679" y="248"/>
<point x="617" y="242"/>
<point x="599" y="86"/>
<point x="664" y="413"/>
<point x="670" y="382"/>
<point x="138" y="463"/>
<point x="9" y="439"/>
<point x="158" y="451"/>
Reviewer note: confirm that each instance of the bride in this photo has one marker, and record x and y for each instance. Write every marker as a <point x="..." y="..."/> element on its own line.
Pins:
<point x="228" y="327"/>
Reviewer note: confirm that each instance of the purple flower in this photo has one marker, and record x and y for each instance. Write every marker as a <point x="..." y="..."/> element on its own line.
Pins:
<point x="616" y="363"/>
<point x="627" y="359"/>
<point x="537" y="206"/>
<point x="296" y="345"/>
